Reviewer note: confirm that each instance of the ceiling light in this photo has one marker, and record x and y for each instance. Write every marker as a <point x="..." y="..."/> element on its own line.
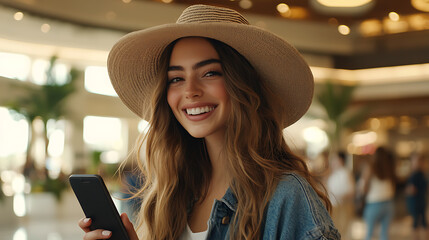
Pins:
<point x="283" y="8"/>
<point x="422" y="5"/>
<point x="18" y="16"/>
<point x="344" y="29"/>
<point x="343" y="3"/>
<point x="167" y="1"/>
<point x="394" y="16"/>
<point x="45" y="28"/>
<point x="245" y="4"/>
<point x="126" y="1"/>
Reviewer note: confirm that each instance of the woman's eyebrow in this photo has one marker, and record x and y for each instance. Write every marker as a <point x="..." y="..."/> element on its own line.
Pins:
<point x="196" y="66"/>
<point x="206" y="62"/>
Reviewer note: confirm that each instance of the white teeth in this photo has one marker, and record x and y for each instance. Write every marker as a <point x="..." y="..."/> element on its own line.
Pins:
<point x="199" y="110"/>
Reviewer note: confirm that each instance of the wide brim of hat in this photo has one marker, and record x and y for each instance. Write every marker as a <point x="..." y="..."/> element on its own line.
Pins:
<point x="133" y="63"/>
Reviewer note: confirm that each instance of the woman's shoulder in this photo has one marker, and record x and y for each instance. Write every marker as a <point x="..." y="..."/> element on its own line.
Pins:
<point x="293" y="184"/>
<point x="294" y="190"/>
<point x="295" y="211"/>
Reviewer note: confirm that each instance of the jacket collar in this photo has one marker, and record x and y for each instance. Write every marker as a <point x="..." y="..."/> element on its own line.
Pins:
<point x="230" y="200"/>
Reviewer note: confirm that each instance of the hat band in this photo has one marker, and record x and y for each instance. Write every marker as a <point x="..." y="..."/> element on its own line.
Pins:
<point x="207" y="14"/>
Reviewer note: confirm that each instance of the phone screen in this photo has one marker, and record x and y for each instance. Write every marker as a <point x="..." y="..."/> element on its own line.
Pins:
<point x="97" y="204"/>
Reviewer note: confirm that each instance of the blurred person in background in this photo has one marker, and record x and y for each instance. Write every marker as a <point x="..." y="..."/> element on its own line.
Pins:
<point x="341" y="188"/>
<point x="378" y="181"/>
<point x="416" y="191"/>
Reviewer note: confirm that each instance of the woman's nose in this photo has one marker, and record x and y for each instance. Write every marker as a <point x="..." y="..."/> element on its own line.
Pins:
<point x="193" y="89"/>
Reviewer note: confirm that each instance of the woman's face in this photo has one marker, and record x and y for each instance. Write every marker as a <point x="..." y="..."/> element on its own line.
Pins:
<point x="196" y="88"/>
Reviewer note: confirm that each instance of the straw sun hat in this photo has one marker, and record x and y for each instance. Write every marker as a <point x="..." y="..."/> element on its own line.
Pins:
<point x="133" y="60"/>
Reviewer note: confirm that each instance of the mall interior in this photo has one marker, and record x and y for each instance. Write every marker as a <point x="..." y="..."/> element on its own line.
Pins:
<point x="369" y="58"/>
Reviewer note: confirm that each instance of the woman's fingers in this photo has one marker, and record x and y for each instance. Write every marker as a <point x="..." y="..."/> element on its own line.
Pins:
<point x="97" y="234"/>
<point x="84" y="223"/>
<point x="129" y="227"/>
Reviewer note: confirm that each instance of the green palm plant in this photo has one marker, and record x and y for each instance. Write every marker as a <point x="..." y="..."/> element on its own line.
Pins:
<point x="336" y="99"/>
<point x="45" y="102"/>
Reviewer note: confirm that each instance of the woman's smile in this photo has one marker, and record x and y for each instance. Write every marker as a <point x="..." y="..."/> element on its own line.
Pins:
<point x="199" y="110"/>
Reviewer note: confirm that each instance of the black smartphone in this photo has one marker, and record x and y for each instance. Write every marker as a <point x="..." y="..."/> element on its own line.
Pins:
<point x="97" y="204"/>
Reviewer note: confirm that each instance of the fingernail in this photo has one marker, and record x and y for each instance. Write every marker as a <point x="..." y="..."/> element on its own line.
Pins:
<point x="105" y="233"/>
<point x="86" y="220"/>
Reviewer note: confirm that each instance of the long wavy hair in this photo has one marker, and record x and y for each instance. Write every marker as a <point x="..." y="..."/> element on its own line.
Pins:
<point x="176" y="169"/>
<point x="383" y="165"/>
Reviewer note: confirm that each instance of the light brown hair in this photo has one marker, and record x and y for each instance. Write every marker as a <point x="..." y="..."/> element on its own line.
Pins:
<point x="177" y="170"/>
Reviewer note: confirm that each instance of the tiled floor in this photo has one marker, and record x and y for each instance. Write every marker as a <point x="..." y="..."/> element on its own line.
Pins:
<point x="64" y="226"/>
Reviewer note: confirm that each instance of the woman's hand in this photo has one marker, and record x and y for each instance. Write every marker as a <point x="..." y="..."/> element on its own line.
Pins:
<point x="84" y="224"/>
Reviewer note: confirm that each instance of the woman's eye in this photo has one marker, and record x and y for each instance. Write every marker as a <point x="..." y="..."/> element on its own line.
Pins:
<point x="212" y="73"/>
<point x="174" y="80"/>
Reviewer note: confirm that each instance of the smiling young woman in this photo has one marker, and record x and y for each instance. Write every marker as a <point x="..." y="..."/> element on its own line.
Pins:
<point x="216" y="165"/>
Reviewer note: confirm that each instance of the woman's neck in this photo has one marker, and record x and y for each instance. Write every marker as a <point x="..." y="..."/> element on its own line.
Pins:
<point x="220" y="173"/>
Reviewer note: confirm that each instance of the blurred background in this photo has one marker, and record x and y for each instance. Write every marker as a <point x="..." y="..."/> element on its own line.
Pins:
<point x="59" y="114"/>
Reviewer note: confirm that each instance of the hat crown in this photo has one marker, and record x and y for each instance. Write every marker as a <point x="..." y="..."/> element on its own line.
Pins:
<point x="205" y="14"/>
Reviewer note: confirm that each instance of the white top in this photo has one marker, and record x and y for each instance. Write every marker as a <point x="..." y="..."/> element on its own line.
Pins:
<point x="189" y="235"/>
<point x="380" y="190"/>
<point x="340" y="184"/>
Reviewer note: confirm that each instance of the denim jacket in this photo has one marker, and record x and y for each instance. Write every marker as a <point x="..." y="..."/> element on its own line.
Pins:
<point x="294" y="212"/>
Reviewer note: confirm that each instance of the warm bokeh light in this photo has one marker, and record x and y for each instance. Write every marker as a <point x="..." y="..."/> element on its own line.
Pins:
<point x="245" y="4"/>
<point x="394" y="23"/>
<point x="382" y="75"/>
<point x="395" y="26"/>
<point x="358" y="230"/>
<point x="365" y="138"/>
<point x="394" y="16"/>
<point x="45" y="28"/>
<point x="371" y="27"/>
<point x="296" y="13"/>
<point x="374" y="123"/>
<point x="167" y="1"/>
<point x="418" y="21"/>
<point x="344" y="29"/>
<point x="422" y="5"/>
<point x="18" y="16"/>
<point x="282" y="8"/>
